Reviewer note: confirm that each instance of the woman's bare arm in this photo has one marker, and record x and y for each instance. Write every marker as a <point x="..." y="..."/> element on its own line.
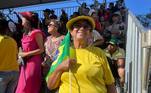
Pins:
<point x="40" y="42"/>
<point x="55" y="78"/>
<point x="111" y="88"/>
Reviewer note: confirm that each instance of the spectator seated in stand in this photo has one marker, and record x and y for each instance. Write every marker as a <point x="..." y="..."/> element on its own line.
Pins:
<point x="118" y="28"/>
<point x="45" y="22"/>
<point x="117" y="57"/>
<point x="52" y="14"/>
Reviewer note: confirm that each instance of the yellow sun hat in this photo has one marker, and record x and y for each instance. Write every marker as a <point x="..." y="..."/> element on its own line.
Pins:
<point x="73" y="20"/>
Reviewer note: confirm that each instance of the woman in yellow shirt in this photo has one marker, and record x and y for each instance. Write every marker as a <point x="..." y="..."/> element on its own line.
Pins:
<point x="90" y="72"/>
<point x="9" y="68"/>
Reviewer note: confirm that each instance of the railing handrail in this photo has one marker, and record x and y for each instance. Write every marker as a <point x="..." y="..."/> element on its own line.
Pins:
<point x="137" y="22"/>
<point x="135" y="59"/>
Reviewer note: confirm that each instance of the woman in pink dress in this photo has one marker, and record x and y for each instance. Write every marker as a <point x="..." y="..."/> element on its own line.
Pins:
<point x="32" y="45"/>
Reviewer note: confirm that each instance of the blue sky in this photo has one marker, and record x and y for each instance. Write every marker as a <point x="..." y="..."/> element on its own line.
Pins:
<point x="139" y="6"/>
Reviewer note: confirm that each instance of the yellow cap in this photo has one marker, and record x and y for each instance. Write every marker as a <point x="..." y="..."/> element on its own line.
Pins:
<point x="73" y="20"/>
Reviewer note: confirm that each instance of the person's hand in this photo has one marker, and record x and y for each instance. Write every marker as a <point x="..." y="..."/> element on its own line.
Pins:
<point x="66" y="64"/>
<point x="45" y="68"/>
<point x="23" y="54"/>
<point x="122" y="81"/>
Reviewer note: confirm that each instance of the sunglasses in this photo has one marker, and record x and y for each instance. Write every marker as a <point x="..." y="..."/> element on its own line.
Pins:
<point x="50" y="25"/>
<point x="85" y="26"/>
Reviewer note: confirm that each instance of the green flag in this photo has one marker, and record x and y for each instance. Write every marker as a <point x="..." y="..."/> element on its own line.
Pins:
<point x="64" y="52"/>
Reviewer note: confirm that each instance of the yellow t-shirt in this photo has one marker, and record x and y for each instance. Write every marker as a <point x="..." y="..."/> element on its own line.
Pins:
<point x="8" y="54"/>
<point x="90" y="74"/>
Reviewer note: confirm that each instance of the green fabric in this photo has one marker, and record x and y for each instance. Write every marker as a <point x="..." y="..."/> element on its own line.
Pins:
<point x="63" y="54"/>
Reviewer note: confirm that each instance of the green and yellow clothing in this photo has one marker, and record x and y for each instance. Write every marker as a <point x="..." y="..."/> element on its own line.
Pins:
<point x="8" y="54"/>
<point x="90" y="74"/>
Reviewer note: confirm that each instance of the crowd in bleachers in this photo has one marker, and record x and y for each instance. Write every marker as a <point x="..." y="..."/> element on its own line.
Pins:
<point x="109" y="35"/>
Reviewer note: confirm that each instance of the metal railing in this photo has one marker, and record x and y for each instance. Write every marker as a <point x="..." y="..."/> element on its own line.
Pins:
<point x="136" y="57"/>
<point x="68" y="10"/>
